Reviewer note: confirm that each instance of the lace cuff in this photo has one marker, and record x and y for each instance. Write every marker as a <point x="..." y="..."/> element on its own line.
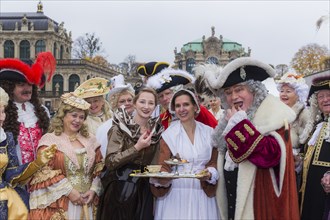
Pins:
<point x="42" y="198"/>
<point x="96" y="186"/>
<point x="214" y="177"/>
<point x="237" y="118"/>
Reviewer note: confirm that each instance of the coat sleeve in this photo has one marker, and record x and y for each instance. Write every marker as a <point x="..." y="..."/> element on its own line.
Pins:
<point x="208" y="188"/>
<point x="117" y="153"/>
<point x="244" y="141"/>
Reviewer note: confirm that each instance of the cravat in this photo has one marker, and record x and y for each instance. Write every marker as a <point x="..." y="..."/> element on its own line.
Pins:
<point x="23" y="107"/>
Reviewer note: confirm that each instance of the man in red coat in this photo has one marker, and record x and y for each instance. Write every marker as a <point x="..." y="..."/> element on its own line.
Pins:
<point x="255" y="157"/>
<point x="165" y="81"/>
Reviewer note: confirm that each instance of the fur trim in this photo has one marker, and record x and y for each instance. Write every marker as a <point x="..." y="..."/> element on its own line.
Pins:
<point x="265" y="122"/>
<point x="278" y="188"/>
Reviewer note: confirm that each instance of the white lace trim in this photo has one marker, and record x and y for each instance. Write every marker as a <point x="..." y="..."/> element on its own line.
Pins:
<point x="214" y="177"/>
<point x="3" y="135"/>
<point x="42" y="198"/>
<point x="96" y="186"/>
<point x="234" y="120"/>
<point x="230" y="165"/>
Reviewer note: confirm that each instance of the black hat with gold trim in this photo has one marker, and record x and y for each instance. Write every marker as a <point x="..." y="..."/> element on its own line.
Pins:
<point x="237" y="71"/>
<point x="168" y="78"/>
<point x="151" y="68"/>
<point x="319" y="82"/>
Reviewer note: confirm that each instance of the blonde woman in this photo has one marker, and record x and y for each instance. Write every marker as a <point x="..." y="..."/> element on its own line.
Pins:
<point x="93" y="91"/>
<point x="120" y="95"/>
<point x="69" y="187"/>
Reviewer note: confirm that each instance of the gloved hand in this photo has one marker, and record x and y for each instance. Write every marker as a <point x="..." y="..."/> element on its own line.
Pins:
<point x="45" y="155"/>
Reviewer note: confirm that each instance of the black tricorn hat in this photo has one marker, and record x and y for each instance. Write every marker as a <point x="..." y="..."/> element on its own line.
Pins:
<point x="319" y="83"/>
<point x="152" y="68"/>
<point x="168" y="78"/>
<point x="237" y="71"/>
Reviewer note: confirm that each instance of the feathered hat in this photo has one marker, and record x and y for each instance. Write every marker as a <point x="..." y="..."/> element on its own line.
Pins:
<point x="237" y="71"/>
<point x="93" y="87"/>
<point x="117" y="84"/>
<point x="168" y="78"/>
<point x="16" y="70"/>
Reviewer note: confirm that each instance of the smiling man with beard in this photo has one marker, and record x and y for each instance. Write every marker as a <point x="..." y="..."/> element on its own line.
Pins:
<point x="26" y="117"/>
<point x="255" y="161"/>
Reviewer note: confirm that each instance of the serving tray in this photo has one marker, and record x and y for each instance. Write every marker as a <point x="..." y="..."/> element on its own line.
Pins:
<point x="167" y="175"/>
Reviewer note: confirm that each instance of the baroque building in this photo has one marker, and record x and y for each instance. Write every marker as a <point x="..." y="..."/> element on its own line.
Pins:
<point x="211" y="50"/>
<point x="24" y="35"/>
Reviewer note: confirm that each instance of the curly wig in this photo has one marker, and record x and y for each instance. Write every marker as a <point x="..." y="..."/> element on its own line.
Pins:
<point x="259" y="91"/>
<point x="56" y="124"/>
<point x="11" y="123"/>
<point x="113" y="100"/>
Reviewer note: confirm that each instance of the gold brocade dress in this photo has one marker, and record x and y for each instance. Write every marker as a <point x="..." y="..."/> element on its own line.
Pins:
<point x="13" y="199"/>
<point x="70" y="169"/>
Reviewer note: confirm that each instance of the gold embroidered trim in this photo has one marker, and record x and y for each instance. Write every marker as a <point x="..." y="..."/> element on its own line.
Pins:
<point x="318" y="147"/>
<point x="232" y="143"/>
<point x="240" y="136"/>
<point x="249" y="129"/>
<point x="248" y="152"/>
<point x="59" y="215"/>
<point x="44" y="174"/>
<point x="98" y="167"/>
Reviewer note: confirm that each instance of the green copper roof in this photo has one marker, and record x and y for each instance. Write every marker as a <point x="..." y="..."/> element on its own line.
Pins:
<point x="196" y="45"/>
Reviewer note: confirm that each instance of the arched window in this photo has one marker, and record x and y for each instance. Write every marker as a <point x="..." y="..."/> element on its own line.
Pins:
<point x="61" y="52"/>
<point x="9" y="49"/>
<point x="55" y="50"/>
<point x="57" y="85"/>
<point x="40" y="46"/>
<point x="212" y="60"/>
<point x="88" y="77"/>
<point x="24" y="50"/>
<point x="180" y="65"/>
<point x="74" y="82"/>
<point x="190" y="65"/>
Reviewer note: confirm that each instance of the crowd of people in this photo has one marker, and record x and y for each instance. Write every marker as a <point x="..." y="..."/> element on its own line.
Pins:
<point x="246" y="154"/>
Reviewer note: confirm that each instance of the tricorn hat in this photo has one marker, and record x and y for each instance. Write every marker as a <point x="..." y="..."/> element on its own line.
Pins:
<point x="319" y="82"/>
<point x="151" y="68"/>
<point x="237" y="71"/>
<point x="168" y="78"/>
<point x="93" y="87"/>
<point x="16" y="70"/>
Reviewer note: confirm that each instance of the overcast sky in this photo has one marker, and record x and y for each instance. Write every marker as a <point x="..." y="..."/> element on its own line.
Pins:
<point x="150" y="30"/>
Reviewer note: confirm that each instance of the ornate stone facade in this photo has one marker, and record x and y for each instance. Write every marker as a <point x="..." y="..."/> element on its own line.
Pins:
<point x="212" y="50"/>
<point x="24" y="35"/>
